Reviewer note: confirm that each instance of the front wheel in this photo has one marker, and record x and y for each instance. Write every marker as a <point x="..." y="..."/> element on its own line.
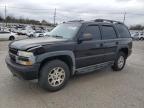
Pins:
<point x="54" y="75"/>
<point x="119" y="62"/>
<point x="11" y="38"/>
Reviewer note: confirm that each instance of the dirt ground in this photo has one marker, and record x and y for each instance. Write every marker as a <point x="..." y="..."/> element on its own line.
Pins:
<point x="101" y="89"/>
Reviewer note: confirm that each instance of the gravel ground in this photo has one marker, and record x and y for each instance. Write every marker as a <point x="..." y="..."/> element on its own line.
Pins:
<point x="101" y="89"/>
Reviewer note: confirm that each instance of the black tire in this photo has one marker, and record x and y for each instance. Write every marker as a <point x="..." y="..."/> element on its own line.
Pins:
<point x="47" y="69"/>
<point x="31" y="35"/>
<point x="116" y="67"/>
<point x="141" y="38"/>
<point x="11" y="38"/>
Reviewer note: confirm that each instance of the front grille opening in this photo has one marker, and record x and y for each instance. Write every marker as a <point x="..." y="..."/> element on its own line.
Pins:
<point x="13" y="54"/>
<point x="13" y="51"/>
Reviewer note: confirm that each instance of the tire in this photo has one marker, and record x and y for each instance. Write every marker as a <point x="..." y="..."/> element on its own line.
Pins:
<point x="121" y="58"/>
<point x="48" y="78"/>
<point x="141" y="38"/>
<point x="11" y="38"/>
<point x="31" y="35"/>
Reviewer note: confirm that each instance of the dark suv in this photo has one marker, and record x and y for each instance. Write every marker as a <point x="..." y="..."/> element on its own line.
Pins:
<point x="71" y="47"/>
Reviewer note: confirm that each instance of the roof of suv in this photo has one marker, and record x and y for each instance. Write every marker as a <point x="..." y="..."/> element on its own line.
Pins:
<point x="96" y="21"/>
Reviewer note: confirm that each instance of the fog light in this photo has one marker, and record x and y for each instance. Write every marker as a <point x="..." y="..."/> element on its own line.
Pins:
<point x="26" y="63"/>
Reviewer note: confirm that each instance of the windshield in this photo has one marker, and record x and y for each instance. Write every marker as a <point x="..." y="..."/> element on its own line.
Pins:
<point x="67" y="31"/>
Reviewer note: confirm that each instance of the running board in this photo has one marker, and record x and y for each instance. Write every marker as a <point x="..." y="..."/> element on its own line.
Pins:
<point x="93" y="67"/>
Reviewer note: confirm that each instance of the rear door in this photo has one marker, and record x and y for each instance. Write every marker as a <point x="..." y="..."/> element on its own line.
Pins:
<point x="109" y="41"/>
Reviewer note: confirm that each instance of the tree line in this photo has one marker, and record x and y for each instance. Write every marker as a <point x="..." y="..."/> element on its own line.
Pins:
<point x="11" y="19"/>
<point x="137" y="27"/>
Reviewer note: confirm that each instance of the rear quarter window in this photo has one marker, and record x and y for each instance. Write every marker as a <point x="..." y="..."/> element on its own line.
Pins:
<point x="123" y="31"/>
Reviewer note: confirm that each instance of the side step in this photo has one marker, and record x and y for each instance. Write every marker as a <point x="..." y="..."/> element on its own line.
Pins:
<point x="93" y="67"/>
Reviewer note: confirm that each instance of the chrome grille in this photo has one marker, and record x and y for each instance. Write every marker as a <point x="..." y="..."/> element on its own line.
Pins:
<point x="13" y="53"/>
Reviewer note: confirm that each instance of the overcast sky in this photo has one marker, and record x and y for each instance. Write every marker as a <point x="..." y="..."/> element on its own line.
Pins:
<point x="76" y="9"/>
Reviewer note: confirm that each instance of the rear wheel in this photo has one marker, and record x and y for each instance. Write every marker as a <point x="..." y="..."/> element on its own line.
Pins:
<point x="54" y="75"/>
<point x="119" y="62"/>
<point x="11" y="38"/>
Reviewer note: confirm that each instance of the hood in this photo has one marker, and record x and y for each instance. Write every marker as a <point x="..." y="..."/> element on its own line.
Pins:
<point x="34" y="42"/>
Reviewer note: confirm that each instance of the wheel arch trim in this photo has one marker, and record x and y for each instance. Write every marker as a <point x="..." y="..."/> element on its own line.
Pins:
<point x="44" y="56"/>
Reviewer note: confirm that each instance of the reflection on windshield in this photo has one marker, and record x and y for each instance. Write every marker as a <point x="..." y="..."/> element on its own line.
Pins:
<point x="67" y="31"/>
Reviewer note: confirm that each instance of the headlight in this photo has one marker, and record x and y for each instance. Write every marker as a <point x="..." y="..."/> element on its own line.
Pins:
<point x="25" y="58"/>
<point x="25" y="54"/>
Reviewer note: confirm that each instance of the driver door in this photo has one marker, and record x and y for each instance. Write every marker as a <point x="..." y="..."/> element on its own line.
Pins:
<point x="88" y="52"/>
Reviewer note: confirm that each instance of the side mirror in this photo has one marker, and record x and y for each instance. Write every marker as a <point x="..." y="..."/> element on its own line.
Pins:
<point x="86" y="37"/>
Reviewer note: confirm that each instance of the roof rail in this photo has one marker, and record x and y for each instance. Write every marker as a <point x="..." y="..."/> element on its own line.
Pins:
<point x="105" y="20"/>
<point x="76" y="21"/>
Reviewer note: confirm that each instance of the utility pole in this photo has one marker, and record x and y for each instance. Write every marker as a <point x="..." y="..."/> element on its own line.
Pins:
<point x="124" y="17"/>
<point x="54" y="16"/>
<point x="5" y="15"/>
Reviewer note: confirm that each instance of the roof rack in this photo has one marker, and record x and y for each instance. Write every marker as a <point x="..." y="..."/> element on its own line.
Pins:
<point x="105" y="20"/>
<point x="76" y="21"/>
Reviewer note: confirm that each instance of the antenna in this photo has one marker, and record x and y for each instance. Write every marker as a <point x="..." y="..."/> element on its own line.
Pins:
<point x="55" y="16"/>
<point x="124" y="17"/>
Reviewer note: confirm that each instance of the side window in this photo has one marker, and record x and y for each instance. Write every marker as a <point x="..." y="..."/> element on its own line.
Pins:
<point x="123" y="31"/>
<point x="94" y="31"/>
<point x="108" y="32"/>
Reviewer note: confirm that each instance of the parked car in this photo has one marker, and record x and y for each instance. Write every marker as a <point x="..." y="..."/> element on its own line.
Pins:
<point x="74" y="47"/>
<point x="4" y="29"/>
<point x="38" y="34"/>
<point x="141" y="36"/>
<point x="6" y="35"/>
<point x="135" y="35"/>
<point x="30" y="33"/>
<point x="47" y="34"/>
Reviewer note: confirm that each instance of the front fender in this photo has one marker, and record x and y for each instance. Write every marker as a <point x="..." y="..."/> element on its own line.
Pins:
<point x="44" y="56"/>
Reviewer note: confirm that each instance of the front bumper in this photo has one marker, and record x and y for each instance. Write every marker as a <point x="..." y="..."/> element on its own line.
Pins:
<point x="24" y="72"/>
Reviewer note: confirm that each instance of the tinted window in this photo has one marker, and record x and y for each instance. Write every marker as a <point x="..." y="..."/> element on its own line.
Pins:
<point x="108" y="32"/>
<point x="123" y="31"/>
<point x="94" y="31"/>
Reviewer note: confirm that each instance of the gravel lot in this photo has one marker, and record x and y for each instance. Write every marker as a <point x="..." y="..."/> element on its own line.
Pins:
<point x="101" y="89"/>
